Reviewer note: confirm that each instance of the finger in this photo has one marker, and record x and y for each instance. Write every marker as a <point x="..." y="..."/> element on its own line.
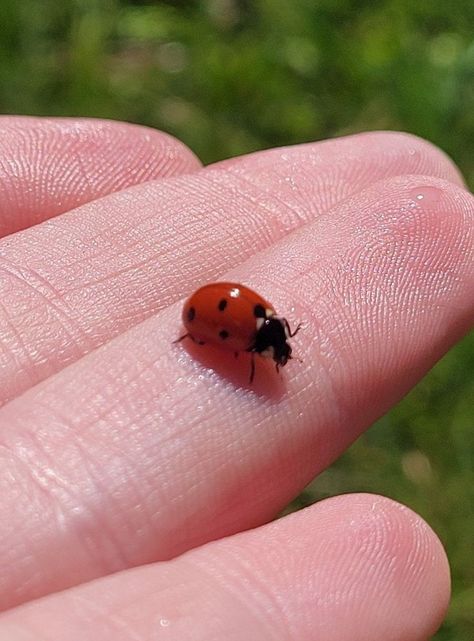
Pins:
<point x="51" y="165"/>
<point x="68" y="286"/>
<point x="351" y="568"/>
<point x="144" y="449"/>
<point x="336" y="166"/>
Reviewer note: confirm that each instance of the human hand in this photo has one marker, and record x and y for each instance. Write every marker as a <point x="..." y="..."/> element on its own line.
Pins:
<point x="120" y="449"/>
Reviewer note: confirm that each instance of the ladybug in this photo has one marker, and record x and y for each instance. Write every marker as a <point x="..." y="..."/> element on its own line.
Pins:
<point x="238" y="319"/>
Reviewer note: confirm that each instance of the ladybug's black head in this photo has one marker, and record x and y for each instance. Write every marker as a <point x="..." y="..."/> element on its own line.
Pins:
<point x="271" y="340"/>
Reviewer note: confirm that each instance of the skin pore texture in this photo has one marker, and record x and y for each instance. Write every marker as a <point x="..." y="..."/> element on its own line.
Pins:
<point x="139" y="476"/>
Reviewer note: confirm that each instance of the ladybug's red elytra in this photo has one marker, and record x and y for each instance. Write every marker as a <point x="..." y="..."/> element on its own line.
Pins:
<point x="238" y="319"/>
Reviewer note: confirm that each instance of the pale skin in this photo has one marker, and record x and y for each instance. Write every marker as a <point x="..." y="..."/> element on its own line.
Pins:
<point x="120" y="448"/>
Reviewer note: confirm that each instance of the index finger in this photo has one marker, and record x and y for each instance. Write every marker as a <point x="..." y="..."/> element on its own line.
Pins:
<point x="142" y="449"/>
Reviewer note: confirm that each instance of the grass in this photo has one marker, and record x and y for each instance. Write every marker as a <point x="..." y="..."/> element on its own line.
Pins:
<point x="233" y="76"/>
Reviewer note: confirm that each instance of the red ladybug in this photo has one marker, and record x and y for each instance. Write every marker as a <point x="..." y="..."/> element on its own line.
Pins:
<point x="236" y="318"/>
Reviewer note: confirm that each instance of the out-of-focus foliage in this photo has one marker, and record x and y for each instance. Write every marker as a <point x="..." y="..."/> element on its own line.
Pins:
<point x="232" y="76"/>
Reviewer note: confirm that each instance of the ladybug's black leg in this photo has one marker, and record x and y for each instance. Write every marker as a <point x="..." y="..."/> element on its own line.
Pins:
<point x="252" y="367"/>
<point x="181" y="338"/>
<point x="290" y="333"/>
<point x="277" y="367"/>
<point x="178" y="340"/>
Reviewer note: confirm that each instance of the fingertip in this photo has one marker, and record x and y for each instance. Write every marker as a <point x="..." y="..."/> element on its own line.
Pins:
<point x="360" y="566"/>
<point x="52" y="165"/>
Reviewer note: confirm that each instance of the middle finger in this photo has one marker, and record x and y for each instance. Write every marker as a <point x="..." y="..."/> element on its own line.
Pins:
<point x="70" y="284"/>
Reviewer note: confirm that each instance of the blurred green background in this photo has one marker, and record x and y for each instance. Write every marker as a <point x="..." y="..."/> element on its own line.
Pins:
<point x="232" y="76"/>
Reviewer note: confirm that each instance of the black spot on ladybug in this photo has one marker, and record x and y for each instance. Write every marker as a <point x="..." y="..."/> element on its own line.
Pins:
<point x="191" y="313"/>
<point x="222" y="305"/>
<point x="259" y="311"/>
<point x="224" y="334"/>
